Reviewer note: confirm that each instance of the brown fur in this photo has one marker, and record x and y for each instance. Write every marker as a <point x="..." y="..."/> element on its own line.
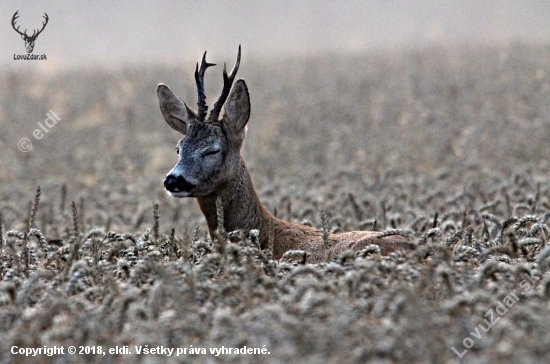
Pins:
<point x="243" y="210"/>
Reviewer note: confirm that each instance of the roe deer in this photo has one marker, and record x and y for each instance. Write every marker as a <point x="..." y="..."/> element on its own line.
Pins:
<point x="210" y="165"/>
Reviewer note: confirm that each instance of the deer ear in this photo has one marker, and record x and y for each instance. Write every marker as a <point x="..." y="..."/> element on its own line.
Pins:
<point x="174" y="110"/>
<point x="237" y="107"/>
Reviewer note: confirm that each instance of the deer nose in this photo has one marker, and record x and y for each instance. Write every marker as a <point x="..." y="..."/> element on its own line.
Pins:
<point x="174" y="183"/>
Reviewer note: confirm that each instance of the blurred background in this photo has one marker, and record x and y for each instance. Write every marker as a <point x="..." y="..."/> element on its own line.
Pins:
<point x="371" y="89"/>
<point x="109" y="33"/>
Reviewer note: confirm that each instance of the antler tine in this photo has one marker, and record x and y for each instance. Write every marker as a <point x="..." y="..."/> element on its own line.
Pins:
<point x="13" y="19"/>
<point x="227" y="83"/>
<point x="44" y="23"/>
<point x="36" y="31"/>
<point x="199" y="79"/>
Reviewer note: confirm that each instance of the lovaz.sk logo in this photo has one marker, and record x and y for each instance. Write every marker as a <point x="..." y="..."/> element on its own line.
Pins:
<point x="29" y="40"/>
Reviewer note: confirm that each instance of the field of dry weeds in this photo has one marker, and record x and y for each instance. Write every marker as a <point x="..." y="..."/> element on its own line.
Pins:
<point x="449" y="145"/>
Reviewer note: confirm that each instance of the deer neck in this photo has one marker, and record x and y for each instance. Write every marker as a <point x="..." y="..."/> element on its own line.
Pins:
<point x="242" y="208"/>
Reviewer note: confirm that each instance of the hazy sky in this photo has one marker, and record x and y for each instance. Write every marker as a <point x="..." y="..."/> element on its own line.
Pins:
<point x="109" y="32"/>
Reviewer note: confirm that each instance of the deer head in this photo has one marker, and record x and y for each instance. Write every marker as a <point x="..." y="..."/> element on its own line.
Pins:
<point x="29" y="40"/>
<point x="209" y="152"/>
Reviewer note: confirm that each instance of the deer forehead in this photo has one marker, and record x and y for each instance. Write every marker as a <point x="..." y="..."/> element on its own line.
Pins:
<point x="204" y="133"/>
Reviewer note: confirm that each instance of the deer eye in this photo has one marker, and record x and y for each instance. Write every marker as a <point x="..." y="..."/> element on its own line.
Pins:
<point x="210" y="152"/>
<point x="178" y="150"/>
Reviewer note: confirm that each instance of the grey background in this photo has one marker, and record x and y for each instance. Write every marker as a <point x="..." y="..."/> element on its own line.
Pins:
<point x="106" y="33"/>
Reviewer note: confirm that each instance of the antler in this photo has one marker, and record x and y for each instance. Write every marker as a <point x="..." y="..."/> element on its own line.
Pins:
<point x="227" y="83"/>
<point x="15" y="16"/>
<point x="34" y="34"/>
<point x="199" y="78"/>
<point x="43" y="26"/>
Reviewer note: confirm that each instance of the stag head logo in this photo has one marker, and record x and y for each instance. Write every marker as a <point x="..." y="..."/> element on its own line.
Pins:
<point x="29" y="39"/>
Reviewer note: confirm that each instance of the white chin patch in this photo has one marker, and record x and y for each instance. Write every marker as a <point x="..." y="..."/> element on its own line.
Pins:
<point x="179" y="194"/>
